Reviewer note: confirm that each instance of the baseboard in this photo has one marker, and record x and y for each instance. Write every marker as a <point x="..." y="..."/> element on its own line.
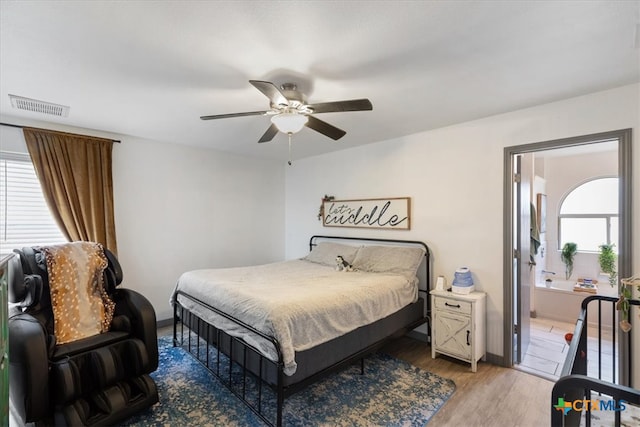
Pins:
<point x="494" y="359"/>
<point x="164" y="323"/>
<point x="420" y="336"/>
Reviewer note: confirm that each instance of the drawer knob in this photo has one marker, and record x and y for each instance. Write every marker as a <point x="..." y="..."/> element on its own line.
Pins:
<point x="452" y="305"/>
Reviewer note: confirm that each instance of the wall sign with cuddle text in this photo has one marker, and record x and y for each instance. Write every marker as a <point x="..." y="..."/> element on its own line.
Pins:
<point x="368" y="213"/>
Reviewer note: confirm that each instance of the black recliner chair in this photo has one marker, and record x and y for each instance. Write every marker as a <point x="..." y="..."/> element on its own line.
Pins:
<point x="99" y="380"/>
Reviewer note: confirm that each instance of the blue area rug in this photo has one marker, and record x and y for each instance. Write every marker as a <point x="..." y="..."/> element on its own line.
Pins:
<point x="390" y="393"/>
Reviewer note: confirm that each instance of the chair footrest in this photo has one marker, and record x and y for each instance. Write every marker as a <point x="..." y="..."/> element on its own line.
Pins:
<point x="98" y="369"/>
<point x="110" y="405"/>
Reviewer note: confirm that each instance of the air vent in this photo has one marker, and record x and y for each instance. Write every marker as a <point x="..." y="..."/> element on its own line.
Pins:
<point x="37" y="106"/>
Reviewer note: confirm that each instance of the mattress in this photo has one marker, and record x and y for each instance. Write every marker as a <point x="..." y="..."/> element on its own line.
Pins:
<point x="300" y="303"/>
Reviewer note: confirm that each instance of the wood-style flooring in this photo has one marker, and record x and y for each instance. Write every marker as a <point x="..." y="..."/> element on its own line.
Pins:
<point x="493" y="396"/>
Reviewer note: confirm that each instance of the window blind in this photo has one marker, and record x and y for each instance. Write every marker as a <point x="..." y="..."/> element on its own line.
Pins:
<point x="25" y="219"/>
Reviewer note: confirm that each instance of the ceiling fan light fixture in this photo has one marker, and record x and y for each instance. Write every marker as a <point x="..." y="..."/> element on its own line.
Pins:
<point x="288" y="122"/>
<point x="290" y="112"/>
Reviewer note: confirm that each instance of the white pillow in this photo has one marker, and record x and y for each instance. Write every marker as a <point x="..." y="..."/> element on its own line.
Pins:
<point x="326" y="252"/>
<point x="403" y="260"/>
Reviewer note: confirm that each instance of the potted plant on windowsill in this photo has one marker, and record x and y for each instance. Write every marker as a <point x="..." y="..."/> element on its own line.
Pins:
<point x="567" y="255"/>
<point x="607" y="259"/>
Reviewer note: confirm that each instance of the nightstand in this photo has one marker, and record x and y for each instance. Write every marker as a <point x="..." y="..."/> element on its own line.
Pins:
<point x="459" y="326"/>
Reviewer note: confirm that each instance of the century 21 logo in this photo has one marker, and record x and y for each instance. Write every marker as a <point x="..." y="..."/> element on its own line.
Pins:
<point x="592" y="404"/>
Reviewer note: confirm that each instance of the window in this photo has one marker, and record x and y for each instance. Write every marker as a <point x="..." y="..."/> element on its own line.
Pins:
<point x="25" y="219"/>
<point x="589" y="215"/>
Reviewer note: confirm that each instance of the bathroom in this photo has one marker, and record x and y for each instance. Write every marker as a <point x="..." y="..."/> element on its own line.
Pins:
<point x="557" y="173"/>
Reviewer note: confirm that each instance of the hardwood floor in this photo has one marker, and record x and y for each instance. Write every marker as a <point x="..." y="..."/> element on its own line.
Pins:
<point x="493" y="396"/>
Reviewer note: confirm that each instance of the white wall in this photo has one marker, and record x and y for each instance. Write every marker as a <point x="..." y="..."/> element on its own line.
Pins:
<point x="179" y="208"/>
<point x="454" y="176"/>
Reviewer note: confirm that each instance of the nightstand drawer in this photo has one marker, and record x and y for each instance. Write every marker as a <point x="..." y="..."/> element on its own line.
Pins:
<point x="453" y="305"/>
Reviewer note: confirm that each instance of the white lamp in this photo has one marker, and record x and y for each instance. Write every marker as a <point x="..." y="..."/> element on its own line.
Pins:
<point x="289" y="122"/>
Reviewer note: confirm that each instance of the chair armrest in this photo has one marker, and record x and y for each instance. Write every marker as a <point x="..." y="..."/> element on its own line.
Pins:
<point x="143" y="320"/>
<point x="28" y="367"/>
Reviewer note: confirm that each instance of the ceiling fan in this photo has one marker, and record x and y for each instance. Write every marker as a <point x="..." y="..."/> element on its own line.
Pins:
<point x="290" y="112"/>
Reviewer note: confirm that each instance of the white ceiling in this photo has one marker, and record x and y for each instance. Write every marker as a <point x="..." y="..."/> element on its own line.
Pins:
<point x="151" y="68"/>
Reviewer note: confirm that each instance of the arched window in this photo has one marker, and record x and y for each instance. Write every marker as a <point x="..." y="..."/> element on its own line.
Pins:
<point x="589" y="215"/>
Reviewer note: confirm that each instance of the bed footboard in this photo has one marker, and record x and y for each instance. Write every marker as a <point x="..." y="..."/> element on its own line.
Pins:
<point x="260" y="382"/>
<point x="256" y="380"/>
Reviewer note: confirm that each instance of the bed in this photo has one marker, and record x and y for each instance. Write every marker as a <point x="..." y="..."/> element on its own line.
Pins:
<point x="268" y="331"/>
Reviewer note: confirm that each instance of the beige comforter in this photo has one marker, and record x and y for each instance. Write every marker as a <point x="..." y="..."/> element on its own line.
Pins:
<point x="300" y="303"/>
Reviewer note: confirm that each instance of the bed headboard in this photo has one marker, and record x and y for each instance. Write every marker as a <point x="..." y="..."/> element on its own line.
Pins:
<point x="425" y="267"/>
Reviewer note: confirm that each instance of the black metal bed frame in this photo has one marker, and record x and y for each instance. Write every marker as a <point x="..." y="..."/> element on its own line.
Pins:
<point x="252" y="379"/>
<point x="575" y="384"/>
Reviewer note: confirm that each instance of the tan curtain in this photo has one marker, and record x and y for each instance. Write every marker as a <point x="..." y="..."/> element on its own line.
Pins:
<point x="75" y="174"/>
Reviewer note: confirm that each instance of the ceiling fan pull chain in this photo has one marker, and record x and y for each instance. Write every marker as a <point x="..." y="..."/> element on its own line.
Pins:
<point x="289" y="149"/>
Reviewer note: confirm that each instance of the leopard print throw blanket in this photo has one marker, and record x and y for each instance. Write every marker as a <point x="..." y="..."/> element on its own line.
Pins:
<point x="81" y="306"/>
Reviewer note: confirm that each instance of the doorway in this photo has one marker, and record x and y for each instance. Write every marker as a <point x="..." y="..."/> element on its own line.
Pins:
<point x="517" y="243"/>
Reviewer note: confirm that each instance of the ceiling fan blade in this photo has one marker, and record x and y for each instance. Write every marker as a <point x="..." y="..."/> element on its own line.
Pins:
<point x="271" y="91"/>
<point x="226" y="116"/>
<point x="325" y="128"/>
<point x="269" y="134"/>
<point x="337" y="106"/>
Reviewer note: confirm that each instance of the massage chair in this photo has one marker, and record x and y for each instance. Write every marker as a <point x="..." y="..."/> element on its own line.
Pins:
<point x="98" y="380"/>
